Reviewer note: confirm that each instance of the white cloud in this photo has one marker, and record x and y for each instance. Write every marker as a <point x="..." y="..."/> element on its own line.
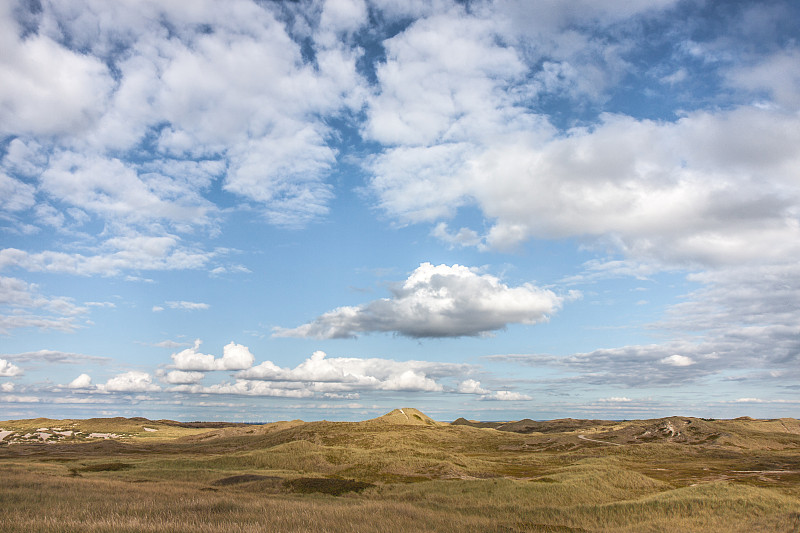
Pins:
<point x="760" y="400"/>
<point x="234" y="357"/>
<point x="9" y="398"/>
<point x="170" y="343"/>
<point x="677" y="360"/>
<point x="615" y="399"/>
<point x="45" y="88"/>
<point x="28" y="308"/>
<point x="84" y="381"/>
<point x="438" y="301"/>
<point x="15" y="195"/>
<point x="8" y="386"/>
<point x="180" y="377"/>
<point x="410" y="381"/>
<point x="108" y="108"/>
<point x="9" y="370"/>
<point x="507" y="396"/>
<point x="688" y="192"/>
<point x="55" y="357"/>
<point x="114" y="190"/>
<point x="340" y="16"/>
<point x="323" y="374"/>
<point x="137" y="252"/>
<point x="464" y="236"/>
<point x="246" y="388"/>
<point x="133" y="381"/>
<point x="778" y="75"/>
<point x="191" y="359"/>
<point x="741" y="322"/>
<point x="471" y="386"/>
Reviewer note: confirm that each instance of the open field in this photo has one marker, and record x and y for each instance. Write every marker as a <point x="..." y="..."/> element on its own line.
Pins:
<point x="401" y="472"/>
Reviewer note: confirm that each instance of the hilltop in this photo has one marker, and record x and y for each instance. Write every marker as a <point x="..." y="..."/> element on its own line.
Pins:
<point x="406" y="416"/>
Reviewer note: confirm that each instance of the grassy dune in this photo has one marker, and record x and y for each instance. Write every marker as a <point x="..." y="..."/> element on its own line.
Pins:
<point x="405" y="472"/>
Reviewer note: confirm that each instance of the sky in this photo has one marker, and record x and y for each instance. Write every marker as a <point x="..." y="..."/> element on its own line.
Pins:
<point x="327" y="209"/>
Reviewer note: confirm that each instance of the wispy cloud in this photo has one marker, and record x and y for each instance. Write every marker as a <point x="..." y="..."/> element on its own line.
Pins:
<point x="188" y="306"/>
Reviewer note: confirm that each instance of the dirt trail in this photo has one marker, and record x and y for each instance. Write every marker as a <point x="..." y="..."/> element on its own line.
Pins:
<point x="584" y="437"/>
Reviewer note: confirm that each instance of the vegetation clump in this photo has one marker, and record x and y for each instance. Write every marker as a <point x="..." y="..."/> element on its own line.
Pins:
<point x="243" y="478"/>
<point x="332" y="486"/>
<point x="101" y="467"/>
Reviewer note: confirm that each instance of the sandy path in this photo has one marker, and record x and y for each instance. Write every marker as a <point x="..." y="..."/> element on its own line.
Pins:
<point x="584" y="437"/>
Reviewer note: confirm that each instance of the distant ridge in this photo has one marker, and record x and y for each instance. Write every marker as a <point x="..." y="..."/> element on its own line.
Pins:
<point x="530" y="426"/>
<point x="406" y="416"/>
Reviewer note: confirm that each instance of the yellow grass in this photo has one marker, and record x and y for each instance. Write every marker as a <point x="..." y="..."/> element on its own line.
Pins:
<point x="422" y="476"/>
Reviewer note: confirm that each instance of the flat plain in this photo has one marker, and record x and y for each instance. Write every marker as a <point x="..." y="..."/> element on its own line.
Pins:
<point x="400" y="472"/>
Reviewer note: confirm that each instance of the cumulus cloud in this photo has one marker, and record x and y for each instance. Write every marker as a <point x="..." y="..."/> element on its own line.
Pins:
<point x="180" y="377"/>
<point x="244" y="387"/>
<point x="113" y="190"/>
<point x="438" y="301"/>
<point x="9" y="370"/>
<point x="688" y="192"/>
<point x="106" y="112"/>
<point x="471" y="386"/>
<point x="708" y="188"/>
<point x="777" y="75"/>
<point x="8" y="386"/>
<point x="84" y="381"/>
<point x="46" y="88"/>
<point x="234" y="357"/>
<point x="324" y="374"/>
<point x="133" y="381"/>
<point x="507" y="396"/>
<point x="677" y="360"/>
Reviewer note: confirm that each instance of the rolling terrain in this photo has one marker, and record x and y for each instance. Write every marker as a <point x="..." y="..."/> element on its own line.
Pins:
<point x="401" y="472"/>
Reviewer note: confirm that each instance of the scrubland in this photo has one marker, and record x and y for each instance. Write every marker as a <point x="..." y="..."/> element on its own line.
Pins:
<point x="402" y="472"/>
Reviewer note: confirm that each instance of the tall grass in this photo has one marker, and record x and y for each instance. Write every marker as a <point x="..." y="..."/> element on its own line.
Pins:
<point x="425" y="479"/>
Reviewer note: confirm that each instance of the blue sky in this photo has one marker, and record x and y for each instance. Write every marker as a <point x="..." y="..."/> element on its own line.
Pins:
<point x="328" y="209"/>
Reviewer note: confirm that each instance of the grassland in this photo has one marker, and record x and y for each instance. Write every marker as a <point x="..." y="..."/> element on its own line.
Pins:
<point x="402" y="472"/>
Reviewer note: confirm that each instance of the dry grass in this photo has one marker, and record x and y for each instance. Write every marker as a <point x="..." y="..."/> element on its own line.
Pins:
<point x="384" y="475"/>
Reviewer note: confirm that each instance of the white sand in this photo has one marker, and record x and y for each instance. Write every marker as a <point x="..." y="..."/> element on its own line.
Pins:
<point x="103" y="436"/>
<point x="4" y="434"/>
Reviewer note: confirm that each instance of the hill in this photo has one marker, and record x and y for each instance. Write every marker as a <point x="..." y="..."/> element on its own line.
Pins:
<point x="406" y="416"/>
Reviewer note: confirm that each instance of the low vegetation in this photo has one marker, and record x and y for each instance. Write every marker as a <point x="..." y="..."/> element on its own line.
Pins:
<point x="402" y="472"/>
